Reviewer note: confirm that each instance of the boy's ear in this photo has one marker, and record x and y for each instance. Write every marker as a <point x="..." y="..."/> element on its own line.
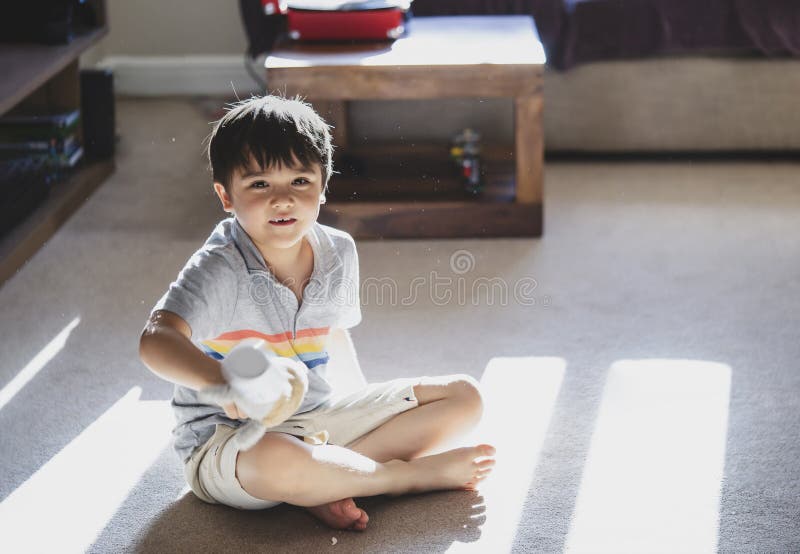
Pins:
<point x="223" y="196"/>
<point x="322" y="198"/>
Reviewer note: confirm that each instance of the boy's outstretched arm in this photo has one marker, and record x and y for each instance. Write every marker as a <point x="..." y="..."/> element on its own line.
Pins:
<point x="166" y="350"/>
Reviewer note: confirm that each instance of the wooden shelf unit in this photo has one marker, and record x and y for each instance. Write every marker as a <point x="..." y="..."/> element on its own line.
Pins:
<point x="43" y="77"/>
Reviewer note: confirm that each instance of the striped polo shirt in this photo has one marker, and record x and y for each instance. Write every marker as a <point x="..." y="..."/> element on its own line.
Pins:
<point x="226" y="294"/>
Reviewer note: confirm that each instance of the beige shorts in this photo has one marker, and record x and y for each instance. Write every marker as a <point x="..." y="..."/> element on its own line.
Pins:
<point x="211" y="470"/>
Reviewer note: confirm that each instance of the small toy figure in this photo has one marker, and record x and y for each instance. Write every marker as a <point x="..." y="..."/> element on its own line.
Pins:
<point x="466" y="153"/>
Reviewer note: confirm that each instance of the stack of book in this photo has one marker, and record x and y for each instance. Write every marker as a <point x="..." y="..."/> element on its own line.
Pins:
<point x="35" y="152"/>
<point x="52" y="136"/>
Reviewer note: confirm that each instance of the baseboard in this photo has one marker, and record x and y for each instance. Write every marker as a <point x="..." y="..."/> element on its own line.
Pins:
<point x="180" y="75"/>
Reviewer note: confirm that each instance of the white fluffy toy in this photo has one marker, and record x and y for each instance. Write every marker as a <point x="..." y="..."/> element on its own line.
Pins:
<point x="266" y="387"/>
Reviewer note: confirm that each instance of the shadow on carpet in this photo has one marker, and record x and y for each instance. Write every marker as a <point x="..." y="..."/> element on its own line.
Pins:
<point x="419" y="523"/>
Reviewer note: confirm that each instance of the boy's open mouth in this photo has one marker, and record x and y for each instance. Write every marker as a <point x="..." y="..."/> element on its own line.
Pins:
<point x="282" y="221"/>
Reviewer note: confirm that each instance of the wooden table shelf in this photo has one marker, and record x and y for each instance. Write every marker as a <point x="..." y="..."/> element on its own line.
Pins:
<point x="408" y="192"/>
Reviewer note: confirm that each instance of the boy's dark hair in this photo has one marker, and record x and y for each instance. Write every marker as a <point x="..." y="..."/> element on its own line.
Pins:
<point x="272" y="131"/>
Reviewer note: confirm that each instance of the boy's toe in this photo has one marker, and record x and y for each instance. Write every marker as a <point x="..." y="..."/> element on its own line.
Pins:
<point x="361" y="523"/>
<point x="349" y="509"/>
<point x="342" y="514"/>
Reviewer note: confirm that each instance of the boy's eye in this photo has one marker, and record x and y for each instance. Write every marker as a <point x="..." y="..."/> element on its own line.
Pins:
<point x="259" y="184"/>
<point x="301" y="181"/>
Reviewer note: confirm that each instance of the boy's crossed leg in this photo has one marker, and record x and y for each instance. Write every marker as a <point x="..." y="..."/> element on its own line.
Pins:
<point x="448" y="407"/>
<point x="387" y="460"/>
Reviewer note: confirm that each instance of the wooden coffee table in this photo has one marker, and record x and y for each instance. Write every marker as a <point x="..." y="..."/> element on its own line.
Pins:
<point x="412" y="190"/>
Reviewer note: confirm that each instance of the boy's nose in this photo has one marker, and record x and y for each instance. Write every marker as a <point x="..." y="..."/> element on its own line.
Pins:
<point x="282" y="201"/>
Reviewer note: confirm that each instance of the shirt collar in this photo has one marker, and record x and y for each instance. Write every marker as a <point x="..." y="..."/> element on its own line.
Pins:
<point x="326" y="258"/>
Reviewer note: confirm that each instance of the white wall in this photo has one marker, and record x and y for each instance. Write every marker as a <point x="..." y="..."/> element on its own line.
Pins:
<point x="175" y="27"/>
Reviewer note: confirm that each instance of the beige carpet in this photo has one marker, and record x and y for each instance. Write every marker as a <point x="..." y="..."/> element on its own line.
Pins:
<point x="639" y="261"/>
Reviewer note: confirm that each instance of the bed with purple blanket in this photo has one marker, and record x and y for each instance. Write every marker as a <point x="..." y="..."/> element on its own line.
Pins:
<point x="578" y="31"/>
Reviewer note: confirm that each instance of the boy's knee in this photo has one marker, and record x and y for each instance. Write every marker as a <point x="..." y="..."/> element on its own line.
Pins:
<point x="467" y="390"/>
<point x="273" y="468"/>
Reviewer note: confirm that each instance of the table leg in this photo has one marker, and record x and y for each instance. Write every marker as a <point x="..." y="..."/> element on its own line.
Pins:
<point x="529" y="148"/>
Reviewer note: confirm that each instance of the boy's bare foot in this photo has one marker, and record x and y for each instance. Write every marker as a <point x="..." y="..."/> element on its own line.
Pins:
<point x="460" y="468"/>
<point x="341" y="514"/>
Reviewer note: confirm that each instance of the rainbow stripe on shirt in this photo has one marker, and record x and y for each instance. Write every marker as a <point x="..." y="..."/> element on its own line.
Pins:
<point x="308" y="345"/>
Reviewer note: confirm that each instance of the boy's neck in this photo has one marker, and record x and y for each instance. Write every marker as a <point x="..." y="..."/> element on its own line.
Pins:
<point x="284" y="262"/>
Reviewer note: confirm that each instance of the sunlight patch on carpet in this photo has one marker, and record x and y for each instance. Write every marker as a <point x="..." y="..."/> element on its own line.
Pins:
<point x="65" y="505"/>
<point x="653" y="474"/>
<point x="519" y="396"/>
<point x="33" y="367"/>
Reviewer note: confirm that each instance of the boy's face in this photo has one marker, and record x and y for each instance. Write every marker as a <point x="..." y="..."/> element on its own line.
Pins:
<point x="259" y="199"/>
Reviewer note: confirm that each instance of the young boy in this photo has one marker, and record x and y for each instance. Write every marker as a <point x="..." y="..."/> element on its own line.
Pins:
<point x="272" y="272"/>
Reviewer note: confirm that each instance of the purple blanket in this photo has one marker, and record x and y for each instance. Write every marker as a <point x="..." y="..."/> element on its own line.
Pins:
<point x="577" y="31"/>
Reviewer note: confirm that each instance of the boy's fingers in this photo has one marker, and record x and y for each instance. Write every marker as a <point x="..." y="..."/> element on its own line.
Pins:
<point x="225" y="397"/>
<point x="231" y="411"/>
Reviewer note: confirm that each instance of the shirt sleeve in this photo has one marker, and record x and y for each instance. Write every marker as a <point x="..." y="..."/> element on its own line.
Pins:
<point x="204" y="295"/>
<point x="350" y="315"/>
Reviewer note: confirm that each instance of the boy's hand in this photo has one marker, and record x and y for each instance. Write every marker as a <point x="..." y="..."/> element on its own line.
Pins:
<point x="259" y="385"/>
<point x="233" y="411"/>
